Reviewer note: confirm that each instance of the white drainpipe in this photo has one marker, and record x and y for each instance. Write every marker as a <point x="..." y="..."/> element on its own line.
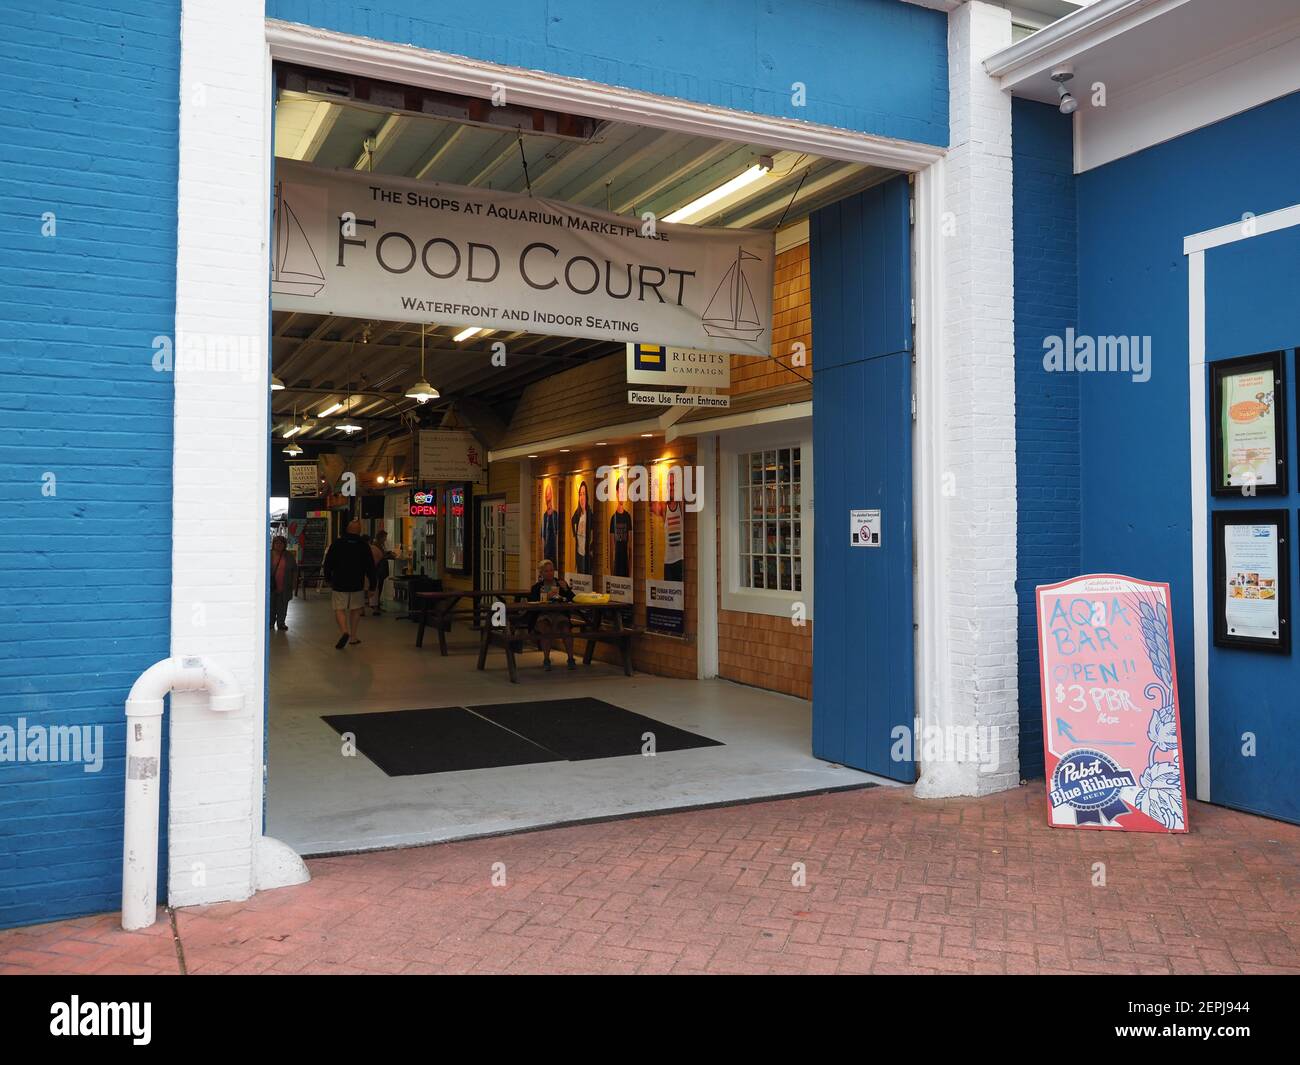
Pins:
<point x="144" y="712"/>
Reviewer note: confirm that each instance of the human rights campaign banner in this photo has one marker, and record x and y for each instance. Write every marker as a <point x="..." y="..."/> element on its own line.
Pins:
<point x="1111" y="736"/>
<point x="365" y="245"/>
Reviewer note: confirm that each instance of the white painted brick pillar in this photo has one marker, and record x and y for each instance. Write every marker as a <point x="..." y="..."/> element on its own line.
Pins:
<point x="977" y="513"/>
<point x="219" y="515"/>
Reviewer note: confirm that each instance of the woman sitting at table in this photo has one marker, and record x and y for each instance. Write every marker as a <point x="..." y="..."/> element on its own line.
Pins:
<point x="550" y="588"/>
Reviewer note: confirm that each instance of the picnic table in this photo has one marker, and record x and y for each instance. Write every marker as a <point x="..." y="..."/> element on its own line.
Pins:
<point x="439" y="609"/>
<point x="590" y="621"/>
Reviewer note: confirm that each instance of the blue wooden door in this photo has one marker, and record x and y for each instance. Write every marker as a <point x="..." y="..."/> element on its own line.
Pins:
<point x="1251" y="308"/>
<point x="863" y="663"/>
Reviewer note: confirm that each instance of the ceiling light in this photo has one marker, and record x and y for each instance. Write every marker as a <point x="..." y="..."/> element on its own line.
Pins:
<point x="532" y="456"/>
<point x="422" y="391"/>
<point x="276" y="383"/>
<point x="724" y="190"/>
<point x="647" y="434"/>
<point x="465" y="334"/>
<point x="330" y="410"/>
<point x="379" y="479"/>
<point x="293" y="448"/>
<point x="349" y="428"/>
<point x="291" y="430"/>
<point x="564" y="451"/>
<point x="600" y="443"/>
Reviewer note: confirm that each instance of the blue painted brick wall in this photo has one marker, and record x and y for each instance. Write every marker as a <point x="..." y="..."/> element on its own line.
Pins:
<point x="878" y="66"/>
<point x="88" y="131"/>
<point x="1047" y="404"/>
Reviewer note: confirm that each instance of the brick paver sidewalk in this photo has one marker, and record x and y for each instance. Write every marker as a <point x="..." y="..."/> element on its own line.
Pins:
<point x="894" y="884"/>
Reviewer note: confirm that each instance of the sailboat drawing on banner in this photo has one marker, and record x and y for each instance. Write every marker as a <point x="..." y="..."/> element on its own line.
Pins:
<point x="295" y="270"/>
<point x="732" y="311"/>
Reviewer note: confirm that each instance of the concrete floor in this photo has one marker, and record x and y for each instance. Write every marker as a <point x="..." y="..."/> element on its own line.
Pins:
<point x="320" y="802"/>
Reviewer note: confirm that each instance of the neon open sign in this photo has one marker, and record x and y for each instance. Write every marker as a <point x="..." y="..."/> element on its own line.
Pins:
<point x="424" y="504"/>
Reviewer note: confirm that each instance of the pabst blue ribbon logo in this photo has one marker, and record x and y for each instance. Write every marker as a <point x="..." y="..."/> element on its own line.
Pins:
<point x="1090" y="782"/>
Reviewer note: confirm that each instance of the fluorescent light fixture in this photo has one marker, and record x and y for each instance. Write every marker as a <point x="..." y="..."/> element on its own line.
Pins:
<point x="465" y="334"/>
<point x="647" y="434"/>
<point x="276" y="383"/>
<point x="290" y="431"/>
<point x="330" y="410"/>
<point x="724" y="190"/>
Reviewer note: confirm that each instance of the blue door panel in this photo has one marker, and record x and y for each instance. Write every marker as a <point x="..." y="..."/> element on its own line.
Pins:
<point x="1250" y="307"/>
<point x="863" y="662"/>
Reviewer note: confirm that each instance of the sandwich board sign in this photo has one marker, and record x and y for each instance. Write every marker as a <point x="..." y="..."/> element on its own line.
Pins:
<point x="1112" y="744"/>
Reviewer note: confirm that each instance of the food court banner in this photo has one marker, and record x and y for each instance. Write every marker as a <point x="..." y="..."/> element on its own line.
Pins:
<point x="363" y="245"/>
<point x="1111" y="735"/>
<point x="665" y="590"/>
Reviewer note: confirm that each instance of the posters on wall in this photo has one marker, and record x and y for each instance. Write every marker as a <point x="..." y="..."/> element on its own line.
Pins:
<point x="363" y="245"/>
<point x="451" y="455"/>
<point x="550" y="545"/>
<point x="1252" y="601"/>
<point x="1249" y="426"/>
<point x="666" y="556"/>
<point x="1111" y="733"/>
<point x="581" y="556"/>
<point x="619" y="531"/>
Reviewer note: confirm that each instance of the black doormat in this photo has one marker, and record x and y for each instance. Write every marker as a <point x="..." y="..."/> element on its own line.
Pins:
<point x="443" y="739"/>
<point x="578" y="729"/>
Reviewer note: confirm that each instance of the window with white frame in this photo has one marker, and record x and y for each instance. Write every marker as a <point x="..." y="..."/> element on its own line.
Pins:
<point x="768" y="516"/>
<point x="766" y="534"/>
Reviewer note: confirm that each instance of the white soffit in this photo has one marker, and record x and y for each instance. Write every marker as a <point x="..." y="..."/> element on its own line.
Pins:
<point x="1168" y="67"/>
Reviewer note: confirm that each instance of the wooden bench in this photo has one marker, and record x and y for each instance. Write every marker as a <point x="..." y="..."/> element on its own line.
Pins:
<point x="515" y="633"/>
<point x="442" y="606"/>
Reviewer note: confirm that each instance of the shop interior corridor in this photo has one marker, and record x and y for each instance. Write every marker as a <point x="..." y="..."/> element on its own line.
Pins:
<point x="320" y="801"/>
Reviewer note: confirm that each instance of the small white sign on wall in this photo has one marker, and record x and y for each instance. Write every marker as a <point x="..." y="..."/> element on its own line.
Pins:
<point x="864" y="528"/>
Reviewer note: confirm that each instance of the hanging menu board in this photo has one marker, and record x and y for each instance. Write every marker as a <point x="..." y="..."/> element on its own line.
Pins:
<point x="304" y="481"/>
<point x="1111" y="735"/>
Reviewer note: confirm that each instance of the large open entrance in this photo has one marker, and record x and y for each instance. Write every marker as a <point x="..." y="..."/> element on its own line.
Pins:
<point x="469" y="453"/>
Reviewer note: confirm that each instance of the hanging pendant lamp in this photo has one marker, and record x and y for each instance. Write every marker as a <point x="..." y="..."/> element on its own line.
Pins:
<point x="422" y="391"/>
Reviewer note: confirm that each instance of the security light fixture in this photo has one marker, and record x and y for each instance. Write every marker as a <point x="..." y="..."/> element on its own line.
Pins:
<point x="422" y="391"/>
<point x="1061" y="75"/>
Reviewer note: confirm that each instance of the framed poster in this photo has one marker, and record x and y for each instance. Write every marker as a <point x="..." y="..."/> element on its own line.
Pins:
<point x="457" y="557"/>
<point x="584" y="534"/>
<point x="1252" y="580"/>
<point x="550" y="538"/>
<point x="1112" y="742"/>
<point x="665" y="555"/>
<point x="1248" y="419"/>
<point x="619" y="531"/>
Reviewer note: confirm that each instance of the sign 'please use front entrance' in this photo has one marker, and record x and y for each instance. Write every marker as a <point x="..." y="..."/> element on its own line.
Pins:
<point x="1111" y="737"/>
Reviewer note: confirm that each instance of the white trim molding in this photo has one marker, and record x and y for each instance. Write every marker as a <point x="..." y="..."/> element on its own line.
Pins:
<point x="1195" y="247"/>
<point x="382" y="60"/>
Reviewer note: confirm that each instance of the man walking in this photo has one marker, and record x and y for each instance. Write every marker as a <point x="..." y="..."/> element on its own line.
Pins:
<point x="349" y="567"/>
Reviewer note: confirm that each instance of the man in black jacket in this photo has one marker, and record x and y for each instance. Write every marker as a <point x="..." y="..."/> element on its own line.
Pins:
<point x="350" y="568"/>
